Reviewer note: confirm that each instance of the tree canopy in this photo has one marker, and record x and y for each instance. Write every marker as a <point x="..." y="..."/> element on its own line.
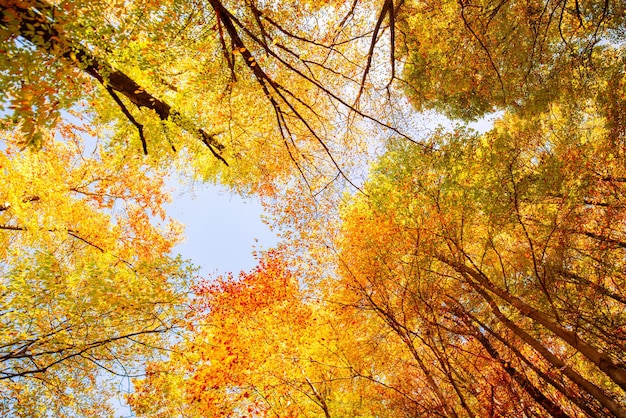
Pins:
<point x="423" y="270"/>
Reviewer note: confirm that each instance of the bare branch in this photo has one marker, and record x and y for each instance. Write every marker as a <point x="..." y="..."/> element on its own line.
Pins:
<point x="131" y="118"/>
<point x="387" y="9"/>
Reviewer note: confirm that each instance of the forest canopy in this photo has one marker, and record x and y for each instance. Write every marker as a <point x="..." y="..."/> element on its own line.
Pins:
<point x="423" y="270"/>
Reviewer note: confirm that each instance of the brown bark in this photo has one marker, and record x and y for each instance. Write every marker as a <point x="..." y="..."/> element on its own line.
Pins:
<point x="580" y="402"/>
<point x="613" y="369"/>
<point x="559" y="364"/>
<point x="523" y="382"/>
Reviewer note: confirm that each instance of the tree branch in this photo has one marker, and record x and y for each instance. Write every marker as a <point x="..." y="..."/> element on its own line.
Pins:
<point x="20" y="21"/>
<point x="131" y="118"/>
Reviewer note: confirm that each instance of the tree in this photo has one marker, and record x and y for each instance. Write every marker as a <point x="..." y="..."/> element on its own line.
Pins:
<point x="503" y="250"/>
<point x="469" y="58"/>
<point x="184" y="75"/>
<point x="87" y="282"/>
<point x="263" y="346"/>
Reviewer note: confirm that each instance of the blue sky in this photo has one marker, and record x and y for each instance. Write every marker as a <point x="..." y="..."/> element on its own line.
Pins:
<point x="221" y="229"/>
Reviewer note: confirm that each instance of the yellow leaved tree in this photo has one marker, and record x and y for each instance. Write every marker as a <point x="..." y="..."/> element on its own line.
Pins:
<point x="498" y="260"/>
<point x="86" y="277"/>
<point x="263" y="345"/>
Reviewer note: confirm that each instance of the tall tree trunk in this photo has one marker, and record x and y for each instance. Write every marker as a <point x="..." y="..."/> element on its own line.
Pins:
<point x="613" y="369"/>
<point x="559" y="364"/>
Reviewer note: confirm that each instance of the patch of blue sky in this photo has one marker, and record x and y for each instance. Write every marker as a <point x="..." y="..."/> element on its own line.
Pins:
<point x="222" y="230"/>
